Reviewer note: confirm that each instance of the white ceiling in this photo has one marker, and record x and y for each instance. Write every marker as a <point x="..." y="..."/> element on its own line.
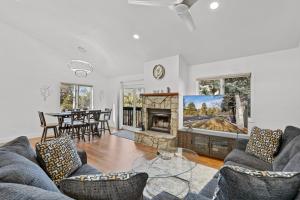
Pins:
<point x="104" y="28"/>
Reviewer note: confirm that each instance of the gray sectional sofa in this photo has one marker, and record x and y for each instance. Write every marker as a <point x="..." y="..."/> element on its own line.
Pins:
<point x="287" y="159"/>
<point x="21" y="177"/>
<point x="18" y="162"/>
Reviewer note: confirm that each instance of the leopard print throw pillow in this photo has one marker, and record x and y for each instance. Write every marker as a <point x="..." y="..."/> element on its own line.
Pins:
<point x="264" y="143"/>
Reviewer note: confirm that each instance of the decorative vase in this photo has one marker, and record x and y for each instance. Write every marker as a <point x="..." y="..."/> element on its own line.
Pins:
<point x="168" y="89"/>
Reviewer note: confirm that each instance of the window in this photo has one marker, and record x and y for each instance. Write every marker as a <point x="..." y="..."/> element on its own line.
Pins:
<point x="209" y="87"/>
<point x="235" y="88"/>
<point x="73" y="96"/>
<point x="238" y="89"/>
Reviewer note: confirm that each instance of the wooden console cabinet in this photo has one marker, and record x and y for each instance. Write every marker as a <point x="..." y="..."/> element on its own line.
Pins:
<point x="206" y="144"/>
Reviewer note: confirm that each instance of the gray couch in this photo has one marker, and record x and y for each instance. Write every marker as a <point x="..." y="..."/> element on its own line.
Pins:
<point x="20" y="162"/>
<point x="21" y="177"/>
<point x="287" y="159"/>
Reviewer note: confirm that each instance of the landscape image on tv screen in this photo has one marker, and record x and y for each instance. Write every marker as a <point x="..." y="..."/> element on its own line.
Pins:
<point x="214" y="113"/>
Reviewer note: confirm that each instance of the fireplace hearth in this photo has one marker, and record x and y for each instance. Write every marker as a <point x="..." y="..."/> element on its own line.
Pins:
<point x="159" y="120"/>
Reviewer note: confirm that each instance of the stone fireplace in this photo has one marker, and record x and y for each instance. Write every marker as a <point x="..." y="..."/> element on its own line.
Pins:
<point x="160" y="120"/>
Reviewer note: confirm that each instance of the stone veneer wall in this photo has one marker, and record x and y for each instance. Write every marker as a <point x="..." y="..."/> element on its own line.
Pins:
<point x="162" y="102"/>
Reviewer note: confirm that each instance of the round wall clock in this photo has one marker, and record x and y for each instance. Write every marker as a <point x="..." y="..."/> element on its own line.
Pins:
<point x="158" y="71"/>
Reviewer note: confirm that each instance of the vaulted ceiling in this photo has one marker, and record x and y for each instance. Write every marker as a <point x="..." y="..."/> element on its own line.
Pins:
<point x="103" y="30"/>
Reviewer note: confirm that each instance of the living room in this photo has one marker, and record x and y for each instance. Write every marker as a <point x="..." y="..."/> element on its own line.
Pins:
<point x="150" y="99"/>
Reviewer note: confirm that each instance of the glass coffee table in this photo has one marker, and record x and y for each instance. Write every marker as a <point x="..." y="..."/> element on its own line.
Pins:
<point x="169" y="170"/>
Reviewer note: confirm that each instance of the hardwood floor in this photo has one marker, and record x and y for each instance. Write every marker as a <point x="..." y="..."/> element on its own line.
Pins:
<point x="110" y="153"/>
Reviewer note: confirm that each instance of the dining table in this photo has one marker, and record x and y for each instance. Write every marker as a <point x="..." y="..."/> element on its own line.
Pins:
<point x="62" y="116"/>
<point x="67" y="114"/>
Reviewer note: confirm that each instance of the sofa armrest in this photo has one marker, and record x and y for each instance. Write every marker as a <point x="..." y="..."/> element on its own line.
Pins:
<point x="241" y="144"/>
<point x="83" y="156"/>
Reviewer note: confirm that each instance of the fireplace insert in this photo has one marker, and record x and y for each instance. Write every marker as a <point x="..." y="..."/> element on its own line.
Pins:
<point x="159" y="120"/>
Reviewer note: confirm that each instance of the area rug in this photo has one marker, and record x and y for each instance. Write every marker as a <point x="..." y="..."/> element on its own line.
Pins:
<point x="125" y="134"/>
<point x="196" y="179"/>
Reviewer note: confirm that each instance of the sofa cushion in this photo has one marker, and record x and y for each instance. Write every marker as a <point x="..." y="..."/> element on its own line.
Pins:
<point x="21" y="146"/>
<point x="289" y="134"/>
<point x="249" y="160"/>
<point x="238" y="164"/>
<point x="289" y="151"/>
<point x="294" y="164"/>
<point x="12" y="191"/>
<point x="209" y="188"/>
<point x="85" y="170"/>
<point x="17" y="169"/>
<point x="264" y="143"/>
<point x="116" y="186"/>
<point x="58" y="157"/>
<point x="256" y="185"/>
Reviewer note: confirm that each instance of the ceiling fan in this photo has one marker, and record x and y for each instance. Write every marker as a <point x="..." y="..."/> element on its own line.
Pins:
<point x="181" y="7"/>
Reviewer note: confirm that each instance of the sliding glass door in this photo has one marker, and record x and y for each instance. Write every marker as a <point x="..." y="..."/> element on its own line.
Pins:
<point x="132" y="107"/>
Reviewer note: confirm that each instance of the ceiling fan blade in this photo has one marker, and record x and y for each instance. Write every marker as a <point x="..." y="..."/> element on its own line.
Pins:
<point x="188" y="20"/>
<point x="155" y="2"/>
<point x="189" y="3"/>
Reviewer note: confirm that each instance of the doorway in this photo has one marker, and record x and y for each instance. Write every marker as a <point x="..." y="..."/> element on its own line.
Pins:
<point x="132" y="116"/>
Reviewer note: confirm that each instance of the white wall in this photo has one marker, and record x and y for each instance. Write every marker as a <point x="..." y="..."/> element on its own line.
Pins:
<point x="26" y="66"/>
<point x="171" y="78"/>
<point x="275" y="85"/>
<point x="176" y="77"/>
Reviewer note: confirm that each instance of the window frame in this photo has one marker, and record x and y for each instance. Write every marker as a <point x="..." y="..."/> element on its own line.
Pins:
<point x="222" y="86"/>
<point x="76" y="93"/>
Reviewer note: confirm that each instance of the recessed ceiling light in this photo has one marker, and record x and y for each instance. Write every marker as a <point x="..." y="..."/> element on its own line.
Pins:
<point x="136" y="36"/>
<point x="214" y="5"/>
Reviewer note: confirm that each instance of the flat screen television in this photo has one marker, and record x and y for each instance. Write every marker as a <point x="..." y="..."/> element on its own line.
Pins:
<point x="215" y="113"/>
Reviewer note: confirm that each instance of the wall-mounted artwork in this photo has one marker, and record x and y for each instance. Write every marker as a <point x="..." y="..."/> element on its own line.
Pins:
<point x="214" y="113"/>
<point x="45" y="92"/>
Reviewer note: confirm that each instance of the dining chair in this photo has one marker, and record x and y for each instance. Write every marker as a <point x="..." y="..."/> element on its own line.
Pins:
<point x="63" y="125"/>
<point x="77" y="125"/>
<point x="46" y="127"/>
<point x="93" y="120"/>
<point x="104" y="122"/>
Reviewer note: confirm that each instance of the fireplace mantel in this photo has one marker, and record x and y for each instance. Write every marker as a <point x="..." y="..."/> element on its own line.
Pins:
<point x="159" y="94"/>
